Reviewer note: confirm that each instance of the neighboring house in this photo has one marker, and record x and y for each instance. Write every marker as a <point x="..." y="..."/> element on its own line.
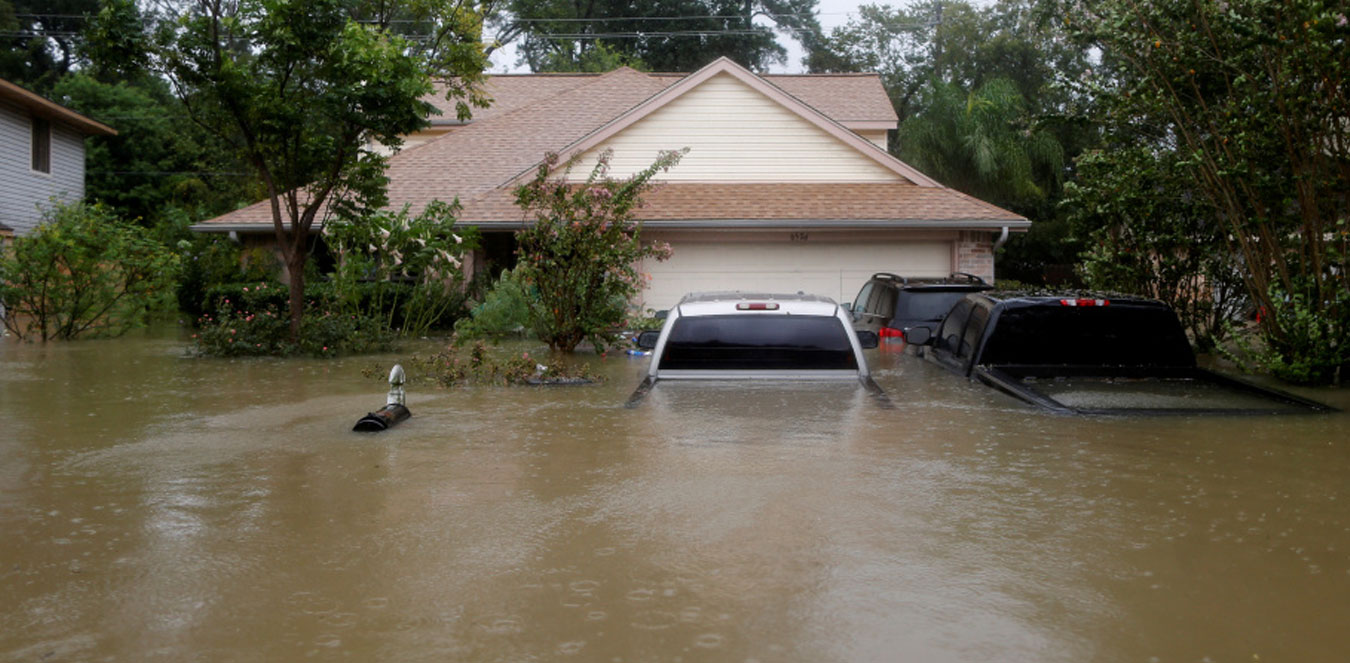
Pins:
<point x="41" y="155"/>
<point x="787" y="185"/>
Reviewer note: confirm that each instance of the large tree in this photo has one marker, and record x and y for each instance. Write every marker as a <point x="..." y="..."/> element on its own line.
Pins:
<point x="1253" y="99"/>
<point x="303" y="89"/>
<point x="664" y="35"/>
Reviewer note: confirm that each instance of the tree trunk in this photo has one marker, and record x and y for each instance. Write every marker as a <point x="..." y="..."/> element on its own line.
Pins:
<point x="295" y="266"/>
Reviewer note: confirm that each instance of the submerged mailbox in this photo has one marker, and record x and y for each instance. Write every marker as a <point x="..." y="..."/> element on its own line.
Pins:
<point x="394" y="411"/>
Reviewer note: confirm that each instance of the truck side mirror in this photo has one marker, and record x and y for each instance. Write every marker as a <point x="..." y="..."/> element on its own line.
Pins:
<point x="918" y="335"/>
<point x="868" y="339"/>
<point x="647" y="340"/>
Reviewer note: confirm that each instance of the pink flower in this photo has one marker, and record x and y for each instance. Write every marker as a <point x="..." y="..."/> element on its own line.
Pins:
<point x="325" y="348"/>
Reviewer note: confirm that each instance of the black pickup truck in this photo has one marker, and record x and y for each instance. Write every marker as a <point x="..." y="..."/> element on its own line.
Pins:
<point x="1090" y="354"/>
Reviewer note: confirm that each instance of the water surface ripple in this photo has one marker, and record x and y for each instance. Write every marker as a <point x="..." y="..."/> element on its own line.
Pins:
<point x="157" y="507"/>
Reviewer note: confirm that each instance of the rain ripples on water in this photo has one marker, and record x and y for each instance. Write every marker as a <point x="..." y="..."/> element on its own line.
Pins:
<point x="157" y="506"/>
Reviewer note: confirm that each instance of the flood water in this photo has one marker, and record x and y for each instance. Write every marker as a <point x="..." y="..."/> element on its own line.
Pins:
<point x="159" y="507"/>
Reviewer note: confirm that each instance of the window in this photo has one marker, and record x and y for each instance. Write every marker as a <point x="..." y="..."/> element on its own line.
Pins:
<point x="860" y="303"/>
<point x="949" y="338"/>
<point x="42" y="145"/>
<point x="970" y="340"/>
<point x="758" y="342"/>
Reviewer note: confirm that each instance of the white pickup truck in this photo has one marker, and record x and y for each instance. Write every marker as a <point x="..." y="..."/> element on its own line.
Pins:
<point x="751" y="336"/>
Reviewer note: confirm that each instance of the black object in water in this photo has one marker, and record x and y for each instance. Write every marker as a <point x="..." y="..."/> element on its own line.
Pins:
<point x="383" y="419"/>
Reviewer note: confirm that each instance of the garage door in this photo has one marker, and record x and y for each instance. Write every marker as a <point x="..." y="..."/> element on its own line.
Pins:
<point x="833" y="269"/>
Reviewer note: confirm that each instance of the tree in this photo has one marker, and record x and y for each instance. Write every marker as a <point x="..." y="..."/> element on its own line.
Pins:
<point x="39" y="40"/>
<point x="302" y="89"/>
<point x="83" y="272"/>
<point x="1252" y="97"/>
<point x="581" y="252"/>
<point x="159" y="163"/>
<point x="665" y="35"/>
<point x="1149" y="233"/>
<point x="982" y="143"/>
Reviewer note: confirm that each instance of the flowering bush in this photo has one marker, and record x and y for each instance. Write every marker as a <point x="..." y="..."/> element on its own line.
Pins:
<point x="403" y="269"/>
<point x="581" y="253"/>
<point x="257" y="323"/>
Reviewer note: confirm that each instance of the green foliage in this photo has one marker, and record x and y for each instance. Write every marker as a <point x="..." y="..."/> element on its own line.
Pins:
<point x="597" y="59"/>
<point x="1248" y="97"/>
<point x="402" y="267"/>
<point x="1315" y="348"/>
<point x="1152" y="235"/>
<point x="581" y="253"/>
<point x="253" y="321"/>
<point x="505" y="309"/>
<point x="159" y="163"/>
<point x="40" y="41"/>
<point x="982" y="143"/>
<point x="704" y="31"/>
<point x="213" y="265"/>
<point x="477" y="364"/>
<point x="302" y="90"/>
<point x="83" y="272"/>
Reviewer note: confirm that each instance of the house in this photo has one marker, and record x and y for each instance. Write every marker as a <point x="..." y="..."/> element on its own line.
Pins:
<point x="787" y="184"/>
<point x="41" y="155"/>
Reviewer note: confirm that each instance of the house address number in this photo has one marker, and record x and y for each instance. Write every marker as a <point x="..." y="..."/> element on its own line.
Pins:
<point x="799" y="237"/>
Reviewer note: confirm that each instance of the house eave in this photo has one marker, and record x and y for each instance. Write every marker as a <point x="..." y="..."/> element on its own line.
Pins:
<point x="993" y="225"/>
<point x="712" y="224"/>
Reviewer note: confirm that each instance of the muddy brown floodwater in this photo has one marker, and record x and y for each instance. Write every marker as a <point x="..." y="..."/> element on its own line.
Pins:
<point x="157" y="507"/>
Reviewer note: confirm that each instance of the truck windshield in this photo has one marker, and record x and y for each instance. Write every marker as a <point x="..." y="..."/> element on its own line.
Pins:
<point x="758" y="342"/>
<point x="1117" y="335"/>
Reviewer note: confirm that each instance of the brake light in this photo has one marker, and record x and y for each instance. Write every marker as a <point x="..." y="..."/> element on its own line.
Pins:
<point x="1084" y="302"/>
<point x="757" y="306"/>
<point x="890" y="332"/>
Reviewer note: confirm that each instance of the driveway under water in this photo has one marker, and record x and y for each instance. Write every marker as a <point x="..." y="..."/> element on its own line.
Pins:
<point x="157" y="507"/>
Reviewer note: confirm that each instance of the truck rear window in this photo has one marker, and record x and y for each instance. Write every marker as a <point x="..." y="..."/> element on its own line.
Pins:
<point x="1119" y="335"/>
<point x="758" y="342"/>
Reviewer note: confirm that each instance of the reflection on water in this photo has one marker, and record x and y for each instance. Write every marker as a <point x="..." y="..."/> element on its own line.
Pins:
<point x="154" y="506"/>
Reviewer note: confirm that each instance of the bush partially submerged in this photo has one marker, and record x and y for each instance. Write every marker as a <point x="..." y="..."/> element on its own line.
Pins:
<point x="83" y="272"/>
<point x="476" y="363"/>
<point x="256" y="323"/>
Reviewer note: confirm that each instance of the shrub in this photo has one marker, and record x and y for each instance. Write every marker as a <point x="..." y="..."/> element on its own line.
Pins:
<point x="505" y="310"/>
<point x="401" y="268"/>
<point x="1314" y="347"/>
<point x="256" y="322"/>
<point x="83" y="272"/>
<point x="212" y="261"/>
<point x="581" y="252"/>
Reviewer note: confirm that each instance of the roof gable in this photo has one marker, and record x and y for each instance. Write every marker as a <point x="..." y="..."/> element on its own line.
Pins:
<point x="724" y="67"/>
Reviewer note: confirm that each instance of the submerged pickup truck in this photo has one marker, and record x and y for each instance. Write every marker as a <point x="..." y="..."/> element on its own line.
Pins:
<point x="1090" y="354"/>
<point x="748" y="336"/>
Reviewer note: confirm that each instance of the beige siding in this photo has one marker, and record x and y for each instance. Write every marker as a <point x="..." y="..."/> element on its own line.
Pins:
<point x="877" y="138"/>
<point x="834" y="264"/>
<point x="736" y="134"/>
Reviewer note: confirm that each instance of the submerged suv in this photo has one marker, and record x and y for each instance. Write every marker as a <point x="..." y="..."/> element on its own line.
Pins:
<point x="887" y="304"/>
<point x="750" y="336"/>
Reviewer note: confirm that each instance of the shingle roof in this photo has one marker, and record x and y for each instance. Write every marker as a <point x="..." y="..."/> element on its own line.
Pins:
<point x="845" y="98"/>
<point x="702" y="204"/>
<point x="540" y="113"/>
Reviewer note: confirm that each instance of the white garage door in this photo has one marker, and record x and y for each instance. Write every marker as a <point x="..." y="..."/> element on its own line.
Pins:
<point x="833" y="269"/>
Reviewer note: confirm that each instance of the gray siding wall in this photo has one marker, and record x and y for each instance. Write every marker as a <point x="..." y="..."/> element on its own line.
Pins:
<point x="22" y="190"/>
